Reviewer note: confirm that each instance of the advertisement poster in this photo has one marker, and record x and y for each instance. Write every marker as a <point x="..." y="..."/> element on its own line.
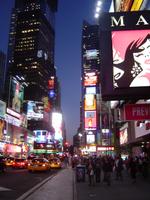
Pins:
<point x="90" y="120"/>
<point x="17" y="91"/>
<point x="131" y="58"/>
<point x="35" y="110"/>
<point x="90" y="102"/>
<point x="125" y="40"/>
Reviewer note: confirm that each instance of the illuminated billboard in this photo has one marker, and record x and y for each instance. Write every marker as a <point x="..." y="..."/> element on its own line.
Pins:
<point x="90" y="79"/>
<point x="91" y="54"/>
<point x="51" y="84"/>
<point x="90" y="120"/>
<point x="57" y="124"/>
<point x="35" y="110"/>
<point x="90" y="90"/>
<point x="16" y="95"/>
<point x="126" y="74"/>
<point x="40" y="136"/>
<point x="123" y="136"/>
<point x="90" y="138"/>
<point x="90" y="102"/>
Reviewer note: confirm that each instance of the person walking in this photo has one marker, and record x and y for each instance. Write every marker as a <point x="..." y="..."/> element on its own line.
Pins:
<point x="119" y="168"/>
<point x="90" y="172"/>
<point x="133" y="169"/>
<point x="98" y="170"/>
<point x="107" y="168"/>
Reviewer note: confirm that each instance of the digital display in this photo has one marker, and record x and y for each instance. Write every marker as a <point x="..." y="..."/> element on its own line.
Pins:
<point x="35" y="110"/>
<point x="17" y="95"/>
<point x="90" y="139"/>
<point x="51" y="84"/>
<point x="57" y="125"/>
<point x="92" y="54"/>
<point x="40" y="136"/>
<point x="90" y="120"/>
<point x="91" y="80"/>
<point x="123" y="136"/>
<point x="90" y="90"/>
<point x="90" y="102"/>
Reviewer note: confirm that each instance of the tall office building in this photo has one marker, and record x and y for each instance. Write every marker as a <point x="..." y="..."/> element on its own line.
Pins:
<point x="30" y="60"/>
<point x="2" y="72"/>
<point x="90" y="83"/>
<point x="31" y="46"/>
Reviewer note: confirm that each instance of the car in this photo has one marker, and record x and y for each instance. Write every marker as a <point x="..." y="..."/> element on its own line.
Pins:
<point x="55" y="163"/>
<point x="9" y="161"/>
<point x="38" y="164"/>
<point x="19" y="163"/>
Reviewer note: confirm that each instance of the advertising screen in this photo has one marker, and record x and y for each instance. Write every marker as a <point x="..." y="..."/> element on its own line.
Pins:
<point x="91" y="54"/>
<point x="123" y="136"/>
<point x="57" y="125"/>
<point x="90" y="79"/>
<point x="90" y="120"/>
<point x="17" y="95"/>
<point x="90" y="139"/>
<point x="126" y="74"/>
<point x="40" y="136"/>
<point x="90" y="90"/>
<point x="90" y="102"/>
<point x="35" y="110"/>
<point x="51" y="84"/>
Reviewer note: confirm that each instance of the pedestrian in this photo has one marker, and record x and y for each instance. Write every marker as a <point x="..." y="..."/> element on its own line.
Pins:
<point x="133" y="169"/>
<point x="98" y="170"/>
<point x="107" y="168"/>
<point x="119" y="168"/>
<point x="90" y="172"/>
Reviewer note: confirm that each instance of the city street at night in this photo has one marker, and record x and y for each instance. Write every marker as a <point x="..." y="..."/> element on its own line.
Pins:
<point x="75" y="100"/>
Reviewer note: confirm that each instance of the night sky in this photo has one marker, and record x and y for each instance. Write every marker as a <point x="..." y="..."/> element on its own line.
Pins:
<point x="69" y="18"/>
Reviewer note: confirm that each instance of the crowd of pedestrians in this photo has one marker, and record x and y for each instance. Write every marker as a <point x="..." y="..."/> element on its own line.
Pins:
<point x="101" y="168"/>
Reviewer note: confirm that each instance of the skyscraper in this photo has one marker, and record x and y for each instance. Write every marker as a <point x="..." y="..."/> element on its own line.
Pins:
<point x="31" y="46"/>
<point x="30" y="59"/>
<point x="90" y="82"/>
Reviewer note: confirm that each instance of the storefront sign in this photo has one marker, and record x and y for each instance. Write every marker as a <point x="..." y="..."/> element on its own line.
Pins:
<point x="136" y="111"/>
<point x="13" y="113"/>
<point x="12" y="120"/>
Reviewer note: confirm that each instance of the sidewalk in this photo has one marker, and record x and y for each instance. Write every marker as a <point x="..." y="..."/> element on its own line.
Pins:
<point x="58" y="187"/>
<point x="119" y="190"/>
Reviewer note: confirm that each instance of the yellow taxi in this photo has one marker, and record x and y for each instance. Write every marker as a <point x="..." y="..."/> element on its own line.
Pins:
<point x="55" y="163"/>
<point x="9" y="161"/>
<point x="38" y="164"/>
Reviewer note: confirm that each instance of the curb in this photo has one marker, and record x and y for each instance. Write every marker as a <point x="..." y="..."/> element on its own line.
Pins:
<point x="32" y="190"/>
<point x="74" y="186"/>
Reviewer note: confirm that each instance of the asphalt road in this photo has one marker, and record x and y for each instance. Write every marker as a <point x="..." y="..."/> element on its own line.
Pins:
<point x="15" y="182"/>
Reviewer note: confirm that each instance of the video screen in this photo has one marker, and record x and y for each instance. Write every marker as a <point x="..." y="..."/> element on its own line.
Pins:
<point x="35" y="110"/>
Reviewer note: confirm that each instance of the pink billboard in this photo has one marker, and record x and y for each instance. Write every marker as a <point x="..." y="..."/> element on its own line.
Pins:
<point x="131" y="58"/>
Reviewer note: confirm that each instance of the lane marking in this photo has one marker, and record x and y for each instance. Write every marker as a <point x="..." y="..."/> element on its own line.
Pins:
<point x="4" y="189"/>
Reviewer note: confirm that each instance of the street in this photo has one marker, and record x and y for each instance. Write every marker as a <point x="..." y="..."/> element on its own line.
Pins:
<point x="15" y="182"/>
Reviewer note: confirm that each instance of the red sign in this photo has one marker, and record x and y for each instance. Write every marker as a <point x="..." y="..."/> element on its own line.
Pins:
<point x="137" y="111"/>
